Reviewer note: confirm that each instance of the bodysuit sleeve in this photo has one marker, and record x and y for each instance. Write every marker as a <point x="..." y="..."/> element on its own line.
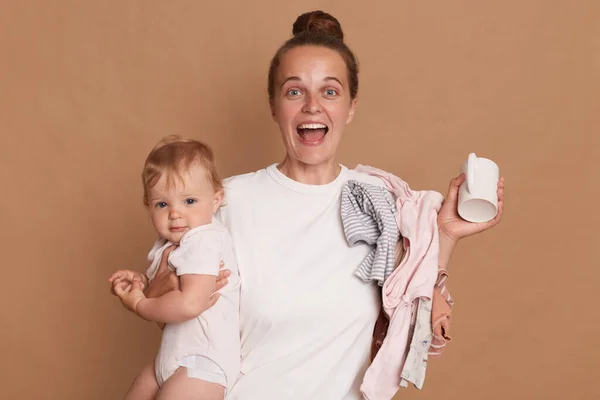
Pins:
<point x="200" y="254"/>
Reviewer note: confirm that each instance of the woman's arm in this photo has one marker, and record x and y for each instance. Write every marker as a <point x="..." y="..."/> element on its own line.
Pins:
<point x="452" y="227"/>
<point x="447" y="246"/>
<point x="164" y="280"/>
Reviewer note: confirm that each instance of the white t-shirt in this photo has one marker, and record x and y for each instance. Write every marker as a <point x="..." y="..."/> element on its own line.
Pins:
<point x="306" y="320"/>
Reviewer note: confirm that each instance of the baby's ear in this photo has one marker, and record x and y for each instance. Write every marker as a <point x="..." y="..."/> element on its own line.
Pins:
<point x="218" y="200"/>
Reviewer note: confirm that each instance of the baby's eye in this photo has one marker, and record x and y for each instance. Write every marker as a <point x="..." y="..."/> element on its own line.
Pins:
<point x="161" y="204"/>
<point x="190" y="201"/>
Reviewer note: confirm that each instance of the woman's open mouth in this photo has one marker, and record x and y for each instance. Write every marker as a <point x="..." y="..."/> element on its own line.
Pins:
<point x="312" y="133"/>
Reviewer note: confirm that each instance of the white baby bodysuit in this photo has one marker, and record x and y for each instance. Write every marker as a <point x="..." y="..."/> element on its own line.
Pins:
<point x="213" y="336"/>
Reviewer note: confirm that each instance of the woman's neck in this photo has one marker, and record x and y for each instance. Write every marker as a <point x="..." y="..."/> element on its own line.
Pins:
<point x="318" y="174"/>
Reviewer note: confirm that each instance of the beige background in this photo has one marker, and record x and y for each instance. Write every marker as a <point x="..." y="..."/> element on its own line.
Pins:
<point x="87" y="88"/>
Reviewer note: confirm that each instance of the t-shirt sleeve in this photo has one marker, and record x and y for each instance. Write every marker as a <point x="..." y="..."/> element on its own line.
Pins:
<point x="222" y="215"/>
<point x="200" y="254"/>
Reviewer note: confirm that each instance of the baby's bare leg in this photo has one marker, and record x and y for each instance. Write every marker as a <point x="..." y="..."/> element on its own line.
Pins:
<point x="180" y="387"/>
<point x="145" y="386"/>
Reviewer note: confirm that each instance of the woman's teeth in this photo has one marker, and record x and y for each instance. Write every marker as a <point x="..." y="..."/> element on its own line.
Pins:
<point x="312" y="126"/>
<point x="312" y="133"/>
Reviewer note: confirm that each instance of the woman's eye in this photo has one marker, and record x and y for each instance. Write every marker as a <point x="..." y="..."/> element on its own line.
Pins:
<point x="331" y="92"/>
<point x="190" y="201"/>
<point x="161" y="204"/>
<point x="293" y="92"/>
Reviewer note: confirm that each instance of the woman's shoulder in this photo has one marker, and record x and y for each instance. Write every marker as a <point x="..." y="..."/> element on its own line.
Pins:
<point x="243" y="181"/>
<point x="238" y="190"/>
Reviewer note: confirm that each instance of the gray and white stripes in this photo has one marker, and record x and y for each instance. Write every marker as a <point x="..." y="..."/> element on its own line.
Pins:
<point x="369" y="215"/>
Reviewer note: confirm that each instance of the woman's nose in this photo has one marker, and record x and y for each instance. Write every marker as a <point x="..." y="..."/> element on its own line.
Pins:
<point x="312" y="104"/>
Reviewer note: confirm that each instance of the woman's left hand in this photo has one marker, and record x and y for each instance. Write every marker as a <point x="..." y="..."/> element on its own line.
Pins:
<point x="452" y="225"/>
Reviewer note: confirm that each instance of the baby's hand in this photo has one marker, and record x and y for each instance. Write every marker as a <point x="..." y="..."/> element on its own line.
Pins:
<point x="124" y="278"/>
<point x="130" y="295"/>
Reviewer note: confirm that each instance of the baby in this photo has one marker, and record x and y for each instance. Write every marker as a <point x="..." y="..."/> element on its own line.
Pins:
<point x="199" y="356"/>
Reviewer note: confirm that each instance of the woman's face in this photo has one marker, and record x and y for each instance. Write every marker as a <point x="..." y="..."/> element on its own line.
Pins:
<point x="311" y="103"/>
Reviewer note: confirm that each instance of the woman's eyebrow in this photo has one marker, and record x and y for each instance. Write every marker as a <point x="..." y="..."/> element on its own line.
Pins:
<point x="333" y="78"/>
<point x="291" y="78"/>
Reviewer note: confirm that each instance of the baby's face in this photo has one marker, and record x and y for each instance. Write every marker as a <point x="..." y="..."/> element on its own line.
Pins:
<point x="181" y="206"/>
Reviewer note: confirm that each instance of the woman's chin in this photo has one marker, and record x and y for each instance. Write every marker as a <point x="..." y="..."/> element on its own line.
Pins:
<point x="314" y="158"/>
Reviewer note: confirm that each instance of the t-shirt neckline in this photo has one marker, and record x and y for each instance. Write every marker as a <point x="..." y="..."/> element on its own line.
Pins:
<point x="296" y="186"/>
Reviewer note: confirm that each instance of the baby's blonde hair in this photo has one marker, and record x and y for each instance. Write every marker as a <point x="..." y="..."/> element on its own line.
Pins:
<point x="173" y="155"/>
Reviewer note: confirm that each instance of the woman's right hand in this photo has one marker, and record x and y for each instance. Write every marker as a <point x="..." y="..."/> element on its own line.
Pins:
<point x="165" y="280"/>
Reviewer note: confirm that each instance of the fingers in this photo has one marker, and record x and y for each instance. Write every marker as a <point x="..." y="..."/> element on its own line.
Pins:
<point x="122" y="286"/>
<point x="169" y="249"/>
<point x="221" y="265"/>
<point x="122" y="278"/>
<point x="498" y="217"/>
<point x="221" y="283"/>
<point x="164" y="261"/>
<point x="115" y="283"/>
<point x="459" y="180"/>
<point x="453" y="188"/>
<point x="119" y="289"/>
<point x="213" y="299"/>
<point x="224" y="273"/>
<point x="124" y="274"/>
<point x="137" y="285"/>
<point x="500" y="210"/>
<point x="501" y="189"/>
<point x="112" y="287"/>
<point x="222" y="278"/>
<point x="116" y="275"/>
<point x="500" y="202"/>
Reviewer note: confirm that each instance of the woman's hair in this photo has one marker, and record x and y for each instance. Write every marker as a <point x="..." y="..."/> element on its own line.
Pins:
<point x="317" y="28"/>
<point x="172" y="156"/>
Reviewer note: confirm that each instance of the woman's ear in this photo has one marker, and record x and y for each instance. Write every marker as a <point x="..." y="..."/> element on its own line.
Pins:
<point x="352" y="110"/>
<point x="272" y="107"/>
<point x="218" y="200"/>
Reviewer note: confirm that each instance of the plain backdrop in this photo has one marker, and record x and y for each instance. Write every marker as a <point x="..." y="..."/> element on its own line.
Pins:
<point x="88" y="87"/>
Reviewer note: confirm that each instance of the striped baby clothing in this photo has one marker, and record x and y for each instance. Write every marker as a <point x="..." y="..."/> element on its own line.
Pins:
<point x="369" y="215"/>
